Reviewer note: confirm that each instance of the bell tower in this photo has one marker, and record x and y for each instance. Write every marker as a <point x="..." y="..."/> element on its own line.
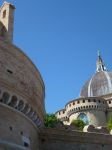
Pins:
<point x="7" y="21"/>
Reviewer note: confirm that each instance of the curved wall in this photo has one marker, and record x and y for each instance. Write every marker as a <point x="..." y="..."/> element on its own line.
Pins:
<point x="20" y="77"/>
<point x="96" y="118"/>
<point x="17" y="131"/>
<point x="94" y="108"/>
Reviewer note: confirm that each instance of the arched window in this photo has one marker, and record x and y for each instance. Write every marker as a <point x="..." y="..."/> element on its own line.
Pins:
<point x="4" y="13"/>
<point x="109" y="102"/>
<point x="89" y="100"/>
<point x="83" y="101"/>
<point x="5" y="97"/>
<point x="83" y="116"/>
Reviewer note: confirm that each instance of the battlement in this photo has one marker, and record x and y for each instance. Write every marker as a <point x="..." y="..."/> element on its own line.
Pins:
<point x="86" y="107"/>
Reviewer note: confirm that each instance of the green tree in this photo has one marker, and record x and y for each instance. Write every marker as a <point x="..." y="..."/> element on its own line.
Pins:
<point x="51" y="120"/>
<point x="79" y="124"/>
<point x="109" y="123"/>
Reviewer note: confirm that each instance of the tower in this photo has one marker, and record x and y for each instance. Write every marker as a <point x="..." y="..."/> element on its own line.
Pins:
<point x="22" y="91"/>
<point x="6" y="21"/>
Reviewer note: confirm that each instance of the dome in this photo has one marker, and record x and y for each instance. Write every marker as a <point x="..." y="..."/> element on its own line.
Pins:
<point x="100" y="83"/>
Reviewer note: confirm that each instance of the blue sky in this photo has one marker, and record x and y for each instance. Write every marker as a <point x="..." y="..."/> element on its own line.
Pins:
<point x="62" y="38"/>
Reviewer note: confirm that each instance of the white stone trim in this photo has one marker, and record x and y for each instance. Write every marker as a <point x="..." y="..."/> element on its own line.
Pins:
<point x="90" y="92"/>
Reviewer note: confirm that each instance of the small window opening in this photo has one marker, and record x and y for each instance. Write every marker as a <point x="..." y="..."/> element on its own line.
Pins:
<point x="83" y="101"/>
<point x="73" y="103"/>
<point x="88" y="100"/>
<point x="1" y="100"/>
<point x="43" y="140"/>
<point x="4" y="13"/>
<point x="21" y="132"/>
<point x="94" y="100"/>
<point x="79" y="108"/>
<point x="10" y="128"/>
<point x="26" y="144"/>
<point x="9" y="71"/>
<point x="78" y="102"/>
<point x="109" y="102"/>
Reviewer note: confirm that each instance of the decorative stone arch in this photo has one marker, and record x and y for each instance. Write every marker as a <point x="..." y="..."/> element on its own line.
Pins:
<point x="20" y="105"/>
<point x="34" y="115"/>
<point x="26" y="108"/>
<point x="30" y="112"/>
<point x="83" y="116"/>
<point x="16" y="107"/>
<point x="38" y="122"/>
<point x="5" y="97"/>
<point x="13" y="101"/>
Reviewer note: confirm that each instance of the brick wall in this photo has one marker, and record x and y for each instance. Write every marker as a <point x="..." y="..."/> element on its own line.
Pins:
<point x="55" y="139"/>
